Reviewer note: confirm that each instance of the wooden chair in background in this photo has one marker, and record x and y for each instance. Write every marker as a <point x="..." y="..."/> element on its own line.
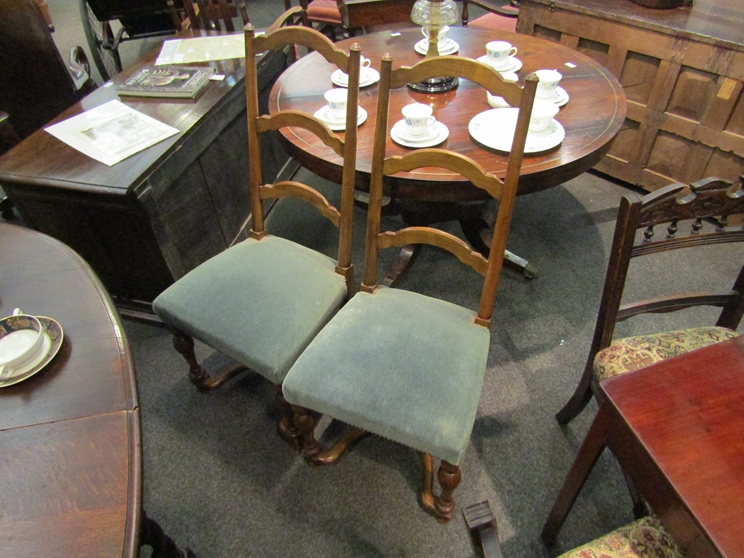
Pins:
<point x="262" y="301"/>
<point x="347" y="17"/>
<point x="215" y="14"/>
<point x="501" y="16"/>
<point x="397" y="363"/>
<point x="708" y="200"/>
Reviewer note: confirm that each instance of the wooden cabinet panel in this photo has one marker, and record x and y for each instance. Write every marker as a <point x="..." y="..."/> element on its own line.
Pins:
<point x="682" y="71"/>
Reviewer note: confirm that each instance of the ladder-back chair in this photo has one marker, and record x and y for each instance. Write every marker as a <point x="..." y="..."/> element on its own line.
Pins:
<point x="397" y="363"/>
<point x="262" y="300"/>
<point x="708" y="203"/>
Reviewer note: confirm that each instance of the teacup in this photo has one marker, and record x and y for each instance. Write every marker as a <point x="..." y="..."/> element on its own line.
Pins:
<point x="500" y="53"/>
<point x="336" y="100"/>
<point x="548" y="85"/>
<point x="442" y="33"/>
<point x="418" y="118"/>
<point x="21" y="339"/>
<point x="542" y="114"/>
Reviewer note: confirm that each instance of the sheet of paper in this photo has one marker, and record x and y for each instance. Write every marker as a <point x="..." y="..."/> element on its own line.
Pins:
<point x="111" y="132"/>
<point x="201" y="49"/>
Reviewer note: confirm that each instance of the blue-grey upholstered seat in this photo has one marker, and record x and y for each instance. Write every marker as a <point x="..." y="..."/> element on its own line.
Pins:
<point x="260" y="302"/>
<point x="399" y="364"/>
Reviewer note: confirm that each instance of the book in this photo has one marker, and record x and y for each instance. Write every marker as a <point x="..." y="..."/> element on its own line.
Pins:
<point x="183" y="82"/>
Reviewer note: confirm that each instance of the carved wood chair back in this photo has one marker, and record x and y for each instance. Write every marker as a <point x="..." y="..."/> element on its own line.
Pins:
<point x="707" y="203"/>
<point x="502" y="190"/>
<point x="345" y="147"/>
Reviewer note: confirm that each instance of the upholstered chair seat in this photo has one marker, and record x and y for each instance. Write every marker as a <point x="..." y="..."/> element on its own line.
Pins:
<point x="645" y="538"/>
<point x="495" y="22"/>
<point x="325" y="11"/>
<point x="426" y="403"/>
<point x="631" y="353"/>
<point x="293" y="292"/>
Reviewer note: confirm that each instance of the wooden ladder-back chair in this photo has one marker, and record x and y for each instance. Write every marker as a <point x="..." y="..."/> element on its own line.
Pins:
<point x="708" y="203"/>
<point x="501" y="16"/>
<point x="397" y="363"/>
<point x="262" y="300"/>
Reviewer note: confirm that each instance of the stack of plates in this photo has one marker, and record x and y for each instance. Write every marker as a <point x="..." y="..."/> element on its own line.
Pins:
<point x="445" y="47"/>
<point x="435" y="135"/>
<point x="52" y="338"/>
<point x="367" y="77"/>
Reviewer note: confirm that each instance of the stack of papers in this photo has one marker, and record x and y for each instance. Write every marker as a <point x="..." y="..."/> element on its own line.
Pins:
<point x="111" y="132"/>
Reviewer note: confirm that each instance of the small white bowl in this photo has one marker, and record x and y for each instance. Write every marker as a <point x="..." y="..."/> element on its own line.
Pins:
<point x="21" y="339"/>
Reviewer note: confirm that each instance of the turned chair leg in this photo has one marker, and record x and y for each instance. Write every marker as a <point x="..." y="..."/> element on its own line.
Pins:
<point x="305" y="424"/>
<point x="449" y="477"/>
<point x="184" y="344"/>
<point x="287" y="428"/>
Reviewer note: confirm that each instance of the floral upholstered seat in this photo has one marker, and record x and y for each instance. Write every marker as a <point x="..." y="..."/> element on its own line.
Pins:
<point x="645" y="538"/>
<point x="632" y="353"/>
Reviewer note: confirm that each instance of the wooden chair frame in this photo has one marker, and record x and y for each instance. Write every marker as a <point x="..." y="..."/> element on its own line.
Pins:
<point x="702" y="200"/>
<point x="505" y="190"/>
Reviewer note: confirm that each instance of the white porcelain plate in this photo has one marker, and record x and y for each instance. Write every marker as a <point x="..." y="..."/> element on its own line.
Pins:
<point x="341" y="79"/>
<point x="445" y="48"/>
<point x="439" y="133"/>
<point x="514" y="65"/>
<point x="495" y="129"/>
<point x="53" y="337"/>
<point x="338" y="125"/>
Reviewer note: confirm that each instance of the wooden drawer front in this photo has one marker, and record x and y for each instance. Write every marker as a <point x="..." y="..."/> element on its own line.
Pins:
<point x="685" y="109"/>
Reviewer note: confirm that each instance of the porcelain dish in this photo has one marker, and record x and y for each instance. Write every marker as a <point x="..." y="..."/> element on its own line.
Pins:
<point x="53" y="338"/>
<point x="342" y="79"/>
<point x="446" y="47"/>
<point x="495" y="129"/>
<point x="560" y="98"/>
<point x="439" y="133"/>
<point x="338" y="125"/>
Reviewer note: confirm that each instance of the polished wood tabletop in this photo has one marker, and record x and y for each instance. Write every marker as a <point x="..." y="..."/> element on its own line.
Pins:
<point x="592" y="117"/>
<point x="676" y="428"/>
<point x="70" y="447"/>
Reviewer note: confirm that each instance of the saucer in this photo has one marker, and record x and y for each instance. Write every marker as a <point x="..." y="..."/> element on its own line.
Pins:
<point x="342" y="79"/>
<point x="514" y="65"/>
<point x="53" y="337"/>
<point x="445" y="47"/>
<point x="495" y="129"/>
<point x="338" y="125"/>
<point x="560" y="98"/>
<point x="439" y="133"/>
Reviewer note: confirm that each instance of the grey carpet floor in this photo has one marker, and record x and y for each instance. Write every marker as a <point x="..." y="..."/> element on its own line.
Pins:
<point x="220" y="481"/>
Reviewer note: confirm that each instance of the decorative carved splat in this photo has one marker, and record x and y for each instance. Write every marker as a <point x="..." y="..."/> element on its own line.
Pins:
<point x="700" y="200"/>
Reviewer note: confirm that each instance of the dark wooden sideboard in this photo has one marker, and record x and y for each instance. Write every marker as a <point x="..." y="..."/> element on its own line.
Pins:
<point x="148" y="220"/>
<point x="682" y="70"/>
